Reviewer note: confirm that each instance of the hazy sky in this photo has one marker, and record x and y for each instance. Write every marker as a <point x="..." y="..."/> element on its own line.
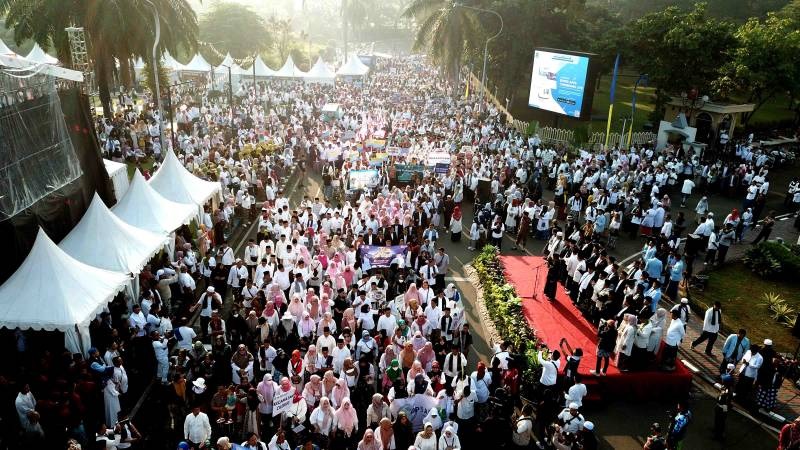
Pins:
<point x="263" y="7"/>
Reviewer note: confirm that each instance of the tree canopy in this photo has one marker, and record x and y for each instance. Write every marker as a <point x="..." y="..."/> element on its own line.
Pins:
<point x="235" y="28"/>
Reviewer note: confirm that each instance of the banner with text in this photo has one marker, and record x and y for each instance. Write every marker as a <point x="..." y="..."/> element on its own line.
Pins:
<point x="382" y="256"/>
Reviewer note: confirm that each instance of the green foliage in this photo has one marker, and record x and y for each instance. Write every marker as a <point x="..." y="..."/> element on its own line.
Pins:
<point x="679" y="49"/>
<point x="781" y="311"/>
<point x="505" y="311"/>
<point x="445" y="30"/>
<point x="774" y="260"/>
<point x="235" y="28"/>
<point x="763" y="63"/>
<point x="150" y="81"/>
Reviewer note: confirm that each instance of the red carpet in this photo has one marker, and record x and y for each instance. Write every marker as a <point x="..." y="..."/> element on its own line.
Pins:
<point x="553" y="321"/>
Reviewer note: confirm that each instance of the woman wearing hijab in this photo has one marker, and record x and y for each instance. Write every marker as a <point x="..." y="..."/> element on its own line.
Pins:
<point x="403" y="434"/>
<point x="312" y="392"/>
<point x="321" y="420"/>
<point x="295" y="370"/>
<point x="368" y="442"/>
<point x="416" y="369"/>
<point x="449" y="440"/>
<point x="349" y="319"/>
<point x="456" y="227"/>
<point x="385" y="435"/>
<point x="266" y="390"/>
<point x="426" y="439"/>
<point x="659" y="321"/>
<point x="426" y="356"/>
<point x="328" y="383"/>
<point x="296" y="308"/>
<point x="376" y="411"/>
<point x="340" y="392"/>
<point x="407" y="356"/>
<point x="345" y="424"/>
<point x="271" y="314"/>
<point x="241" y="364"/>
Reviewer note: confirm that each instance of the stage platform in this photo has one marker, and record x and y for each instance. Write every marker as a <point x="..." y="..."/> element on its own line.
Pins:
<point x="552" y="321"/>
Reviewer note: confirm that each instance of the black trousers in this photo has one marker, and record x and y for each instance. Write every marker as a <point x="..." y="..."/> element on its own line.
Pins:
<point x="706" y="336"/>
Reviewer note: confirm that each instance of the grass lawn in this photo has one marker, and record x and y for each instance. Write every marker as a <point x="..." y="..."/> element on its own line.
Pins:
<point x="741" y="293"/>
<point x="145" y="163"/>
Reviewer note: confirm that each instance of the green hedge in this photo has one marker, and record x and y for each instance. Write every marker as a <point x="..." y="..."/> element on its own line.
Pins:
<point x="505" y="311"/>
<point x="772" y="259"/>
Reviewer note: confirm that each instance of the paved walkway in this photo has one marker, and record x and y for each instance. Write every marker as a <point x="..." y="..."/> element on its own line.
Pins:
<point x="789" y="395"/>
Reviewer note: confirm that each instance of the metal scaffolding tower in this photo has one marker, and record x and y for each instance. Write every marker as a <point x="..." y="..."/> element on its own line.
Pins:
<point x="80" y="57"/>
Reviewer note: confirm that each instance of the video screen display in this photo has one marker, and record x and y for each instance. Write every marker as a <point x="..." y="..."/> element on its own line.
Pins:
<point x="558" y="82"/>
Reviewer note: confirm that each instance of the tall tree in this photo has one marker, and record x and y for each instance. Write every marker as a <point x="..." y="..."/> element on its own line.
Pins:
<point x="763" y="64"/>
<point x="680" y="50"/>
<point x="115" y="29"/>
<point x="235" y="28"/>
<point x="446" y="30"/>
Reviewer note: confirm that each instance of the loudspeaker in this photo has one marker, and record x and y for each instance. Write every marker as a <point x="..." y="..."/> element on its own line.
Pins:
<point x="484" y="191"/>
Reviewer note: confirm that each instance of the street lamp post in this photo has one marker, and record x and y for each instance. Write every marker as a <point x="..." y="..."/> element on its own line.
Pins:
<point x="155" y="71"/>
<point x="643" y="78"/>
<point x="486" y="46"/>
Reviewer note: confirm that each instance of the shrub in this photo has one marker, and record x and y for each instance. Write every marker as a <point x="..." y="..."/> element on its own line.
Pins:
<point x="505" y="311"/>
<point x="773" y="260"/>
<point x="781" y="312"/>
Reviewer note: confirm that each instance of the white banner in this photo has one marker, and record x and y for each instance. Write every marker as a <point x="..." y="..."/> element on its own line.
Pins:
<point x="281" y="401"/>
<point x="438" y="158"/>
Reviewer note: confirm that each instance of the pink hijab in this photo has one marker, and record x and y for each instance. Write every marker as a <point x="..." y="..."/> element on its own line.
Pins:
<point x="346" y="416"/>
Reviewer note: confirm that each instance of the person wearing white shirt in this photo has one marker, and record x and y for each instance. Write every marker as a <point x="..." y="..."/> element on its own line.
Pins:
<point x="227" y="255"/>
<point x="237" y="276"/>
<point x="386" y="323"/>
<point x="748" y="372"/>
<point x="576" y="392"/>
<point x="675" y="334"/>
<point x="196" y="427"/>
<point x="711" y="325"/>
<point x="550" y="367"/>
<point x="571" y="420"/>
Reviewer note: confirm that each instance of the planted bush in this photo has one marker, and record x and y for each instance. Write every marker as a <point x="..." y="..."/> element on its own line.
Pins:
<point x="505" y="311"/>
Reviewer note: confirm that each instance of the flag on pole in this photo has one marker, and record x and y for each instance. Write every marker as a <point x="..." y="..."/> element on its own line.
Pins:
<point x="611" y="102"/>
<point x="466" y="92"/>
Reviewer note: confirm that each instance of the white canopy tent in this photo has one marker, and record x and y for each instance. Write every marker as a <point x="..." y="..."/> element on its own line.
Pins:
<point x="38" y="55"/>
<point x="222" y="68"/>
<point x="53" y="291"/>
<point x="5" y="51"/>
<point x="353" y="68"/>
<point x="124" y="247"/>
<point x="171" y="63"/>
<point x="321" y="73"/>
<point x="175" y="183"/>
<point x="118" y="172"/>
<point x="262" y="70"/>
<point x="144" y="208"/>
<point x="289" y="70"/>
<point x="197" y="64"/>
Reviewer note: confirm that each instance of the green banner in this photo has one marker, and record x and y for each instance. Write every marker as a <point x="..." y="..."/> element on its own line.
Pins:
<point x="406" y="171"/>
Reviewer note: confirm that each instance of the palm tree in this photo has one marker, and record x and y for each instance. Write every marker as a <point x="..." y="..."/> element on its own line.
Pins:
<point x="121" y="29"/>
<point x="446" y="30"/>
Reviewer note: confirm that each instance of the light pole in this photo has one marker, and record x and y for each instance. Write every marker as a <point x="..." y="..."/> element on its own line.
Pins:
<point x="643" y="78"/>
<point x="155" y="72"/>
<point x="486" y="46"/>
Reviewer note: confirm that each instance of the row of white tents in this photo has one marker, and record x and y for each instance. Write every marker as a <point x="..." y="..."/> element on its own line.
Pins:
<point x="64" y="286"/>
<point x="320" y="72"/>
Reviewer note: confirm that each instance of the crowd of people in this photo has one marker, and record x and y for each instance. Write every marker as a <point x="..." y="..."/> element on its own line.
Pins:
<point x="305" y="339"/>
